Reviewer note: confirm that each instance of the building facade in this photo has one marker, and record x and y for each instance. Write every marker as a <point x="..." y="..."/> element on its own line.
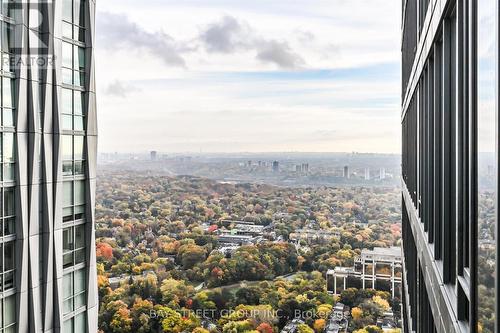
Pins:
<point x="48" y="158"/>
<point x="450" y="165"/>
<point x="378" y="269"/>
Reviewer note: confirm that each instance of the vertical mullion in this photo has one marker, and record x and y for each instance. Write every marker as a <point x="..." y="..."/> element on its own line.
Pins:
<point x="466" y="134"/>
<point x="438" y="60"/>
<point x="445" y="149"/>
<point x="459" y="140"/>
<point x="449" y="149"/>
<point x="473" y="211"/>
<point x="453" y="152"/>
<point x="424" y="150"/>
<point x="418" y="154"/>
<point x="431" y="146"/>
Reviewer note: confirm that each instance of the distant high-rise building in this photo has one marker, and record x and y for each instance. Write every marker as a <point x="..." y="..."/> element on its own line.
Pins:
<point x="305" y="167"/>
<point x="450" y="125"/>
<point x="491" y="170"/>
<point x="367" y="173"/>
<point x="298" y="168"/>
<point x="346" y="172"/>
<point x="153" y="155"/>
<point x="249" y="164"/>
<point x="276" y="166"/>
<point x="382" y="173"/>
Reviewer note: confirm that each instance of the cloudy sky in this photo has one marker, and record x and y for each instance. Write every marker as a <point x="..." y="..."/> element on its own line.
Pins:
<point x="248" y="76"/>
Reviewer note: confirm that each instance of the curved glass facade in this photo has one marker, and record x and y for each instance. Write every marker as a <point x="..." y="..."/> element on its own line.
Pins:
<point x="48" y="143"/>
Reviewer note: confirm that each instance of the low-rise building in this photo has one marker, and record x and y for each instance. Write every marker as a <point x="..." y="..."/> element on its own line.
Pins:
<point x="338" y="320"/>
<point x="387" y="322"/>
<point x="227" y="250"/>
<point x="292" y="326"/>
<point x="313" y="235"/>
<point x="235" y="239"/>
<point x="378" y="269"/>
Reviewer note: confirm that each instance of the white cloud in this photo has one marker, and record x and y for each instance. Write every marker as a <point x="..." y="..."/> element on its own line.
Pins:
<point x="230" y="36"/>
<point x="120" y="89"/>
<point x="280" y="54"/>
<point x="118" y="33"/>
<point x="178" y="56"/>
<point x="226" y="36"/>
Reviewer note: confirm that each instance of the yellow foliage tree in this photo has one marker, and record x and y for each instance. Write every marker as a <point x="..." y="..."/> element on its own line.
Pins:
<point x="356" y="313"/>
<point x="319" y="325"/>
<point x="200" y="330"/>
<point x="324" y="310"/>
<point x="382" y="302"/>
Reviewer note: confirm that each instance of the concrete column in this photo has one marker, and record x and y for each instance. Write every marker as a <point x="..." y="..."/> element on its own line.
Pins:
<point x="373" y="274"/>
<point x="392" y="280"/>
<point x="363" y="273"/>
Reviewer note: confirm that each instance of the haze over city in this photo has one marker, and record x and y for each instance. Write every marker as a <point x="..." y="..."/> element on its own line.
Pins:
<point x="226" y="76"/>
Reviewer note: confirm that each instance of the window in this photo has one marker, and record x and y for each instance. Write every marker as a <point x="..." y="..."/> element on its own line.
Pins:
<point x="409" y="42"/>
<point x="449" y="147"/>
<point x="73" y="200"/>
<point x="73" y="64"/>
<point x="76" y="324"/>
<point x="37" y="106"/>
<point x="7" y="40"/>
<point x="8" y="314"/>
<point x="68" y="201"/>
<point x="7" y="102"/>
<point x="7" y="156"/>
<point x="437" y="160"/>
<point x="40" y="159"/>
<point x="72" y="109"/>
<point x="73" y="155"/>
<point x="422" y="6"/>
<point x="67" y="154"/>
<point x="74" y="291"/>
<point x="6" y="9"/>
<point x="73" y="245"/>
<point x="7" y="266"/>
<point x="8" y="218"/>
<point x="74" y="20"/>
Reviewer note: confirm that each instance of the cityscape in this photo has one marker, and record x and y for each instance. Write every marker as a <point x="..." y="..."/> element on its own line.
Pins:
<point x="215" y="166"/>
<point x="245" y="256"/>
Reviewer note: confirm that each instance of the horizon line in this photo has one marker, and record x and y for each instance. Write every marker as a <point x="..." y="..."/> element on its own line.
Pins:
<point x="250" y="152"/>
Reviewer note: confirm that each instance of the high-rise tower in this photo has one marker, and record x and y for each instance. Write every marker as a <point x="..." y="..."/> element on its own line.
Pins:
<point x="48" y="158"/>
<point x="367" y="173"/>
<point x="450" y="143"/>
<point x="276" y="166"/>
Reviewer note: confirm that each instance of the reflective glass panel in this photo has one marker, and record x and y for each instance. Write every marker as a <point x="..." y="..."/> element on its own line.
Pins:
<point x="67" y="147"/>
<point x="8" y="147"/>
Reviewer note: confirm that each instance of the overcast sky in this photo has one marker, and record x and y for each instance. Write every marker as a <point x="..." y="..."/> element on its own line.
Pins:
<point x="248" y="75"/>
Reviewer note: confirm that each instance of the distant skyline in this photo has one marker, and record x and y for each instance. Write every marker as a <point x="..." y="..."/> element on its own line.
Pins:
<point x="236" y="76"/>
<point x="255" y="154"/>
